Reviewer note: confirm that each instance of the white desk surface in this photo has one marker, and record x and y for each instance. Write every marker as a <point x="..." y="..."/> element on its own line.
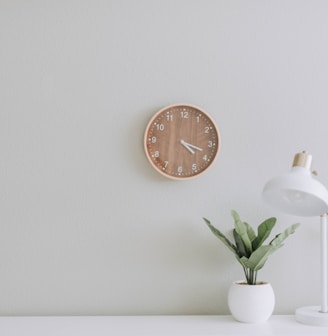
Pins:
<point x="153" y="325"/>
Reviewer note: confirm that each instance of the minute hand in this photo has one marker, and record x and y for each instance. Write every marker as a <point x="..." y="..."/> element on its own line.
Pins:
<point x="187" y="147"/>
<point x="190" y="145"/>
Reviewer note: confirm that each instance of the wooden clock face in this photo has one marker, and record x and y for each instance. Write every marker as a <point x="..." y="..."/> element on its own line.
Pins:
<point x="181" y="141"/>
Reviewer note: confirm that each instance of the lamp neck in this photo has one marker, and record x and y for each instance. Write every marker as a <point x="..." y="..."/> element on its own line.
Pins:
<point x="302" y="160"/>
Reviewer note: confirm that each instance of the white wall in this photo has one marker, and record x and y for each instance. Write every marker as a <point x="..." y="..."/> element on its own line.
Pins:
<point x="87" y="226"/>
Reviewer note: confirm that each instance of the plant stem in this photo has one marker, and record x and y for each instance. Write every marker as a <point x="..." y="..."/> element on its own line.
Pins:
<point x="246" y="275"/>
<point x="251" y="278"/>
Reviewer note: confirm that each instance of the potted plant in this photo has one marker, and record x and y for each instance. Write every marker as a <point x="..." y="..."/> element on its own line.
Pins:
<point x="251" y="252"/>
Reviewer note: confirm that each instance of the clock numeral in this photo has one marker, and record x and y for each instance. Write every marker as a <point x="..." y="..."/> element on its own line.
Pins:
<point x="166" y="163"/>
<point x="169" y="117"/>
<point x="198" y="118"/>
<point x="205" y="157"/>
<point x="156" y="154"/>
<point x="194" y="167"/>
<point x="153" y="139"/>
<point x="160" y="127"/>
<point x="206" y="129"/>
<point x="210" y="144"/>
<point x="184" y="114"/>
<point x="180" y="169"/>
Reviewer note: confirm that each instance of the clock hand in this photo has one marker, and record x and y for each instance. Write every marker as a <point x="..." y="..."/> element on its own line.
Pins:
<point x="190" y="145"/>
<point x="187" y="146"/>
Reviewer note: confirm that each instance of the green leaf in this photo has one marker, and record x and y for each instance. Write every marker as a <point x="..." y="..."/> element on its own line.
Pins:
<point x="222" y="237"/>
<point x="242" y="252"/>
<point x="244" y="262"/>
<point x="245" y="231"/>
<point x="278" y="240"/>
<point x="263" y="232"/>
<point x="260" y="256"/>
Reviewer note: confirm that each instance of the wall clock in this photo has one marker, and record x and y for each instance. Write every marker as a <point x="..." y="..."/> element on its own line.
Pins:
<point x="181" y="141"/>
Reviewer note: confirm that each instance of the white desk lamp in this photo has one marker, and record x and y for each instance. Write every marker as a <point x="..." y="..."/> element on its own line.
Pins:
<point x="299" y="193"/>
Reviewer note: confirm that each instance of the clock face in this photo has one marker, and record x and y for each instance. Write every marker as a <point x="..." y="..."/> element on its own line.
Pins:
<point x="181" y="141"/>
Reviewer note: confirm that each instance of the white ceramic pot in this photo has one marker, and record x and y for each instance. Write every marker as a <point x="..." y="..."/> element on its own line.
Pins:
<point x="251" y="303"/>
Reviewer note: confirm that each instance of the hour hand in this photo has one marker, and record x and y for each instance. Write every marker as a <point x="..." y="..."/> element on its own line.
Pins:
<point x="190" y="146"/>
<point x="186" y="145"/>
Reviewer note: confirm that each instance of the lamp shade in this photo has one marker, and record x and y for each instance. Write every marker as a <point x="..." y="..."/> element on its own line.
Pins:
<point x="297" y="193"/>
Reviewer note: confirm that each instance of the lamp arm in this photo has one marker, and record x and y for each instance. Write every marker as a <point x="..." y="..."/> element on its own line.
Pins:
<point x="324" y="270"/>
